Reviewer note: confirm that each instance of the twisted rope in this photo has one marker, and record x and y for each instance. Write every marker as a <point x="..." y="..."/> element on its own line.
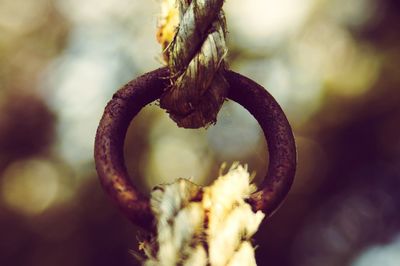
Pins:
<point x="204" y="226"/>
<point x="196" y="57"/>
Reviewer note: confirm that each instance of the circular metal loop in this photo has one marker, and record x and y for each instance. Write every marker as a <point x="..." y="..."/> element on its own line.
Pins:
<point x="128" y="101"/>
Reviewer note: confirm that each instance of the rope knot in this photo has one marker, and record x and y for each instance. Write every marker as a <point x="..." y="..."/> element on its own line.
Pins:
<point x="196" y="58"/>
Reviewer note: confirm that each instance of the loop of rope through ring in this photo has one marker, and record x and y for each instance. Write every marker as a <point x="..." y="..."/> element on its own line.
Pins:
<point x="197" y="69"/>
<point x="196" y="58"/>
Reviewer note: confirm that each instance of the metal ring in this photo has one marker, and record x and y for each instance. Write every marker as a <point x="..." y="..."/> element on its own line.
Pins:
<point x="128" y="101"/>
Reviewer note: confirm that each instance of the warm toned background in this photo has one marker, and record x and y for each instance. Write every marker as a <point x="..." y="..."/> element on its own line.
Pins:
<point x="334" y="65"/>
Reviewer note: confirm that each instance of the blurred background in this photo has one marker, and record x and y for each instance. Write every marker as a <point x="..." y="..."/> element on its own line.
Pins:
<point x="333" y="65"/>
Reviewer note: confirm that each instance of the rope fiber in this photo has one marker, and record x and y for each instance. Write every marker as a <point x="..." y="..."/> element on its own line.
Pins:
<point x="196" y="58"/>
<point x="204" y="226"/>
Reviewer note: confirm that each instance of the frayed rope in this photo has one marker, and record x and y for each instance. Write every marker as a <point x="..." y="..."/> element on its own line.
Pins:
<point x="204" y="226"/>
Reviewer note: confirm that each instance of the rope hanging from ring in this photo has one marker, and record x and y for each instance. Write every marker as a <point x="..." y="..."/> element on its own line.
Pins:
<point x="196" y="226"/>
<point x="204" y="226"/>
<point x="196" y="58"/>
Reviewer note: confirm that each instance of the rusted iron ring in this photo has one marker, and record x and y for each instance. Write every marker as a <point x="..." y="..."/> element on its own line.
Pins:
<point x="128" y="101"/>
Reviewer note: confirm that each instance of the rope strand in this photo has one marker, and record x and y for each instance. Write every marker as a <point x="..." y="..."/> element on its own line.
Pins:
<point x="204" y="226"/>
<point x="196" y="57"/>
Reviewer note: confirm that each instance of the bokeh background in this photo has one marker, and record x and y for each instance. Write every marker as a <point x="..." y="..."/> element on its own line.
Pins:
<point x="334" y="66"/>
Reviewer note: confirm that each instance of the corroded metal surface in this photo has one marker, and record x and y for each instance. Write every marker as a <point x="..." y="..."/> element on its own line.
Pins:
<point x="109" y="158"/>
<point x="130" y="99"/>
<point x="279" y="136"/>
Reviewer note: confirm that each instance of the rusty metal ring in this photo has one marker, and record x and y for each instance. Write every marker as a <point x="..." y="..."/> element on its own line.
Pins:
<point x="128" y="101"/>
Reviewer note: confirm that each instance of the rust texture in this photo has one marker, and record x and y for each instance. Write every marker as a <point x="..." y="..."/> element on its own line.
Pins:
<point x="130" y="99"/>
<point x="279" y="136"/>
